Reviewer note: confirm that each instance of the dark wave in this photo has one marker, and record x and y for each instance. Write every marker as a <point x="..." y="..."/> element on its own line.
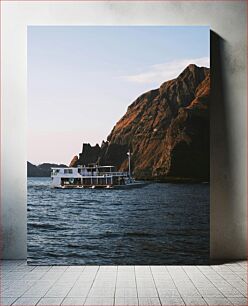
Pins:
<point x="44" y="225"/>
<point x="139" y="234"/>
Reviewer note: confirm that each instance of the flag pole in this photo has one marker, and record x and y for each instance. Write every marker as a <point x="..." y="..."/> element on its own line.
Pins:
<point x="129" y="163"/>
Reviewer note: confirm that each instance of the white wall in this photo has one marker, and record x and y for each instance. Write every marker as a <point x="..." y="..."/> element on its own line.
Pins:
<point x="228" y="107"/>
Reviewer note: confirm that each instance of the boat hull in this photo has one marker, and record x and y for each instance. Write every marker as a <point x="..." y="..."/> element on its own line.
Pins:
<point x="131" y="185"/>
<point x="137" y="184"/>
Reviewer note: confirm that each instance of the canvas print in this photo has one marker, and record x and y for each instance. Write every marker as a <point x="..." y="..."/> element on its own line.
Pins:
<point x="118" y="145"/>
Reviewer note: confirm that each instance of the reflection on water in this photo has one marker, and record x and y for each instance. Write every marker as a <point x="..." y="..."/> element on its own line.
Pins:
<point x="157" y="224"/>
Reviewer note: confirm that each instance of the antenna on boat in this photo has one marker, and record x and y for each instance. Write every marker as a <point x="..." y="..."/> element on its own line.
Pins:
<point x="129" y="163"/>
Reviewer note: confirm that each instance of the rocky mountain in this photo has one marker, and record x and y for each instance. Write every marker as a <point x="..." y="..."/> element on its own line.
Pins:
<point x="42" y="170"/>
<point x="88" y="156"/>
<point x="166" y="129"/>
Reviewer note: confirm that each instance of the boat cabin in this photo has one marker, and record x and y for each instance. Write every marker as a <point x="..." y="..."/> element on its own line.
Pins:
<point x="92" y="176"/>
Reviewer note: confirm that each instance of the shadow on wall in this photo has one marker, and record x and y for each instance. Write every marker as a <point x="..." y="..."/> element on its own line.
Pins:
<point x="222" y="208"/>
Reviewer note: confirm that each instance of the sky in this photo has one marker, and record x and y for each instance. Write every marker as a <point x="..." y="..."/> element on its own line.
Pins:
<point x="81" y="79"/>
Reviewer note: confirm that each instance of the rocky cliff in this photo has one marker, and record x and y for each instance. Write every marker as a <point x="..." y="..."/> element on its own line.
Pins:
<point x="90" y="154"/>
<point x="166" y="129"/>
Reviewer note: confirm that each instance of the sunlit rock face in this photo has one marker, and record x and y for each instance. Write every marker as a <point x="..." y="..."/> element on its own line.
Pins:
<point x="166" y="129"/>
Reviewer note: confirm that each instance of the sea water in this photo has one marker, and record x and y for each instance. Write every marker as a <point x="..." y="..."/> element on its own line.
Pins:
<point x="158" y="224"/>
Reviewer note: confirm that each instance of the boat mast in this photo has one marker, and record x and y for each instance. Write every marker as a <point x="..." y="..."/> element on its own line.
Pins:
<point x="129" y="163"/>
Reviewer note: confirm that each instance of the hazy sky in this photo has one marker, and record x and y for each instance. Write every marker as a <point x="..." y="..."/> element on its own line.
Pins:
<point x="81" y="79"/>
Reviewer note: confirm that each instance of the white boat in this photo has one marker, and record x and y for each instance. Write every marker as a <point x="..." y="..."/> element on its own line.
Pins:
<point x="93" y="176"/>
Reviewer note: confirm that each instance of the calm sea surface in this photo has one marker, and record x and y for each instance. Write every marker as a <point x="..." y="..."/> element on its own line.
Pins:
<point x="156" y="224"/>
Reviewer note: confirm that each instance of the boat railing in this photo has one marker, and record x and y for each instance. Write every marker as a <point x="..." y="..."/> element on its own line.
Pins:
<point x="113" y="173"/>
<point x="103" y="174"/>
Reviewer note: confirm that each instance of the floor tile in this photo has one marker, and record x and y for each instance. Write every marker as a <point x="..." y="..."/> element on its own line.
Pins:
<point x="75" y="269"/>
<point x="7" y="301"/>
<point x="15" y="275"/>
<point x="84" y="281"/>
<point x="108" y="269"/>
<point x="104" y="283"/>
<point x="24" y="267"/>
<point x="126" y="283"/>
<point x="217" y="301"/>
<point x="149" y="301"/>
<point x="58" y="268"/>
<point x="164" y="292"/>
<point x="42" y="268"/>
<point x="91" y="269"/>
<point x="209" y="292"/>
<point x="126" y="292"/>
<point x="126" y="274"/>
<point x="99" y="301"/>
<point x="102" y="292"/>
<point x="164" y="283"/>
<point x="13" y="293"/>
<point x="189" y="292"/>
<point x="143" y="269"/>
<point x="27" y="301"/>
<point x="58" y="291"/>
<point x="194" y="301"/>
<point x="70" y="275"/>
<point x="73" y="301"/>
<point x="239" y="301"/>
<point x="147" y="292"/>
<point x="166" y="301"/>
<point x="51" y="275"/>
<point x="122" y="301"/>
<point x="230" y="292"/>
<point x="38" y="290"/>
<point x="145" y="282"/>
<point x="125" y="269"/>
<point x="50" y="301"/>
<point x="106" y="275"/>
<point x="79" y="291"/>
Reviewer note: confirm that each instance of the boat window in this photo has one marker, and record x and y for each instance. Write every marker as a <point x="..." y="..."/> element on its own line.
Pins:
<point x="68" y="171"/>
<point x="55" y="171"/>
<point x="91" y="169"/>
